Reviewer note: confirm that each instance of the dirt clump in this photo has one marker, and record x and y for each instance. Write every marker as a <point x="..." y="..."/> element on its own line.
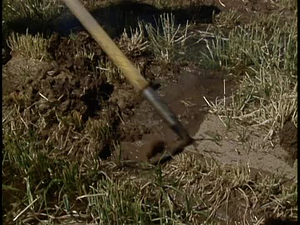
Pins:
<point x="288" y="136"/>
<point x="68" y="95"/>
<point x="18" y="70"/>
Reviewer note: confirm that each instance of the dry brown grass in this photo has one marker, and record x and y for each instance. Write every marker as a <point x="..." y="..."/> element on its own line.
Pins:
<point x="31" y="46"/>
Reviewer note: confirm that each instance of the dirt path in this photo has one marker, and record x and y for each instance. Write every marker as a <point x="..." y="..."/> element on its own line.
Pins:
<point x="227" y="146"/>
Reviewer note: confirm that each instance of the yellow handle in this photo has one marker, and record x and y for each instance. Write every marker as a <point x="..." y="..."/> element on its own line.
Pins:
<point x="107" y="44"/>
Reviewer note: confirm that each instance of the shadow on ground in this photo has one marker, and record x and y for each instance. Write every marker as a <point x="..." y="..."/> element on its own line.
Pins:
<point x="114" y="18"/>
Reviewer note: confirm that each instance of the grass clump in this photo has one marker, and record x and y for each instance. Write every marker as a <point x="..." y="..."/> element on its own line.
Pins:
<point x="166" y="38"/>
<point x="44" y="10"/>
<point x="133" y="43"/>
<point x="31" y="46"/>
<point x="34" y="15"/>
<point x="40" y="173"/>
<point x="114" y="201"/>
<point x="263" y="55"/>
<point x="230" y="193"/>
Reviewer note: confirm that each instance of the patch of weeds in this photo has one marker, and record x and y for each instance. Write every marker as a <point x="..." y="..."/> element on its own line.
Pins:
<point x="31" y="46"/>
<point x="54" y="148"/>
<point x="33" y="14"/>
<point x="43" y="10"/>
<point x="113" y="201"/>
<point x="109" y="71"/>
<point x="288" y="4"/>
<point x="59" y="188"/>
<point x="267" y="55"/>
<point x="277" y="198"/>
<point x="166" y="4"/>
<point x="93" y="4"/>
<point x="162" y="4"/>
<point x="166" y="38"/>
<point x="221" y="190"/>
<point x="138" y="200"/>
<point x="100" y="134"/>
<point x="83" y="52"/>
<point x="45" y="171"/>
<point x="83" y="49"/>
<point x="134" y="42"/>
<point x="227" y="20"/>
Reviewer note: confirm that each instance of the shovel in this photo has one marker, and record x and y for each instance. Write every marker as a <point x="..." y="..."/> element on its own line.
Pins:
<point x="135" y="78"/>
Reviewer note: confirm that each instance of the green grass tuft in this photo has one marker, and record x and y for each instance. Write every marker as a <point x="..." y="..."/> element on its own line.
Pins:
<point x="263" y="56"/>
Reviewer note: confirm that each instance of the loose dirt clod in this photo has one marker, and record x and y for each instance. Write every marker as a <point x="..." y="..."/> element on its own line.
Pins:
<point x="289" y="141"/>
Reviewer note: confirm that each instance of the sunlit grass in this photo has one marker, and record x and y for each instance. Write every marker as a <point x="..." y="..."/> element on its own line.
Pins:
<point x="166" y="38"/>
<point x="263" y="56"/>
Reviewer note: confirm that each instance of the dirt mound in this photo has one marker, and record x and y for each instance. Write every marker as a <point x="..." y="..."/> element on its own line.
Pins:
<point x="68" y="93"/>
<point x="79" y="102"/>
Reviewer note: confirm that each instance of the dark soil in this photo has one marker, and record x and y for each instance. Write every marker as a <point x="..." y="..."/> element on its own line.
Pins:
<point x="289" y="141"/>
<point x="66" y="87"/>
